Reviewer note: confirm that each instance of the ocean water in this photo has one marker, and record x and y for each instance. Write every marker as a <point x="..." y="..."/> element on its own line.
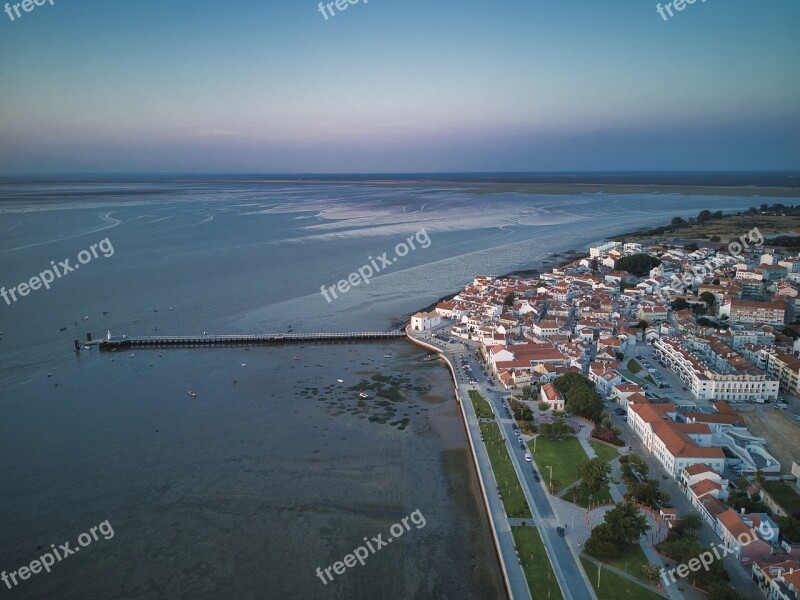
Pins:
<point x="243" y="491"/>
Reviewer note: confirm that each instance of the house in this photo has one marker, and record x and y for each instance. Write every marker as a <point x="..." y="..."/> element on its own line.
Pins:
<point x="423" y="321"/>
<point x="550" y="394"/>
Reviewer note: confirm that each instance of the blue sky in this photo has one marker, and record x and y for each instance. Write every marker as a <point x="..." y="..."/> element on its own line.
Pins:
<point x="264" y="86"/>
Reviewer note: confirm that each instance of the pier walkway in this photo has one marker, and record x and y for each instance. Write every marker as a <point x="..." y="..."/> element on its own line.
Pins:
<point x="124" y="341"/>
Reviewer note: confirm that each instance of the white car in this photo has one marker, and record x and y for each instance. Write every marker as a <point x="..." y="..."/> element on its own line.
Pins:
<point x="527" y="457"/>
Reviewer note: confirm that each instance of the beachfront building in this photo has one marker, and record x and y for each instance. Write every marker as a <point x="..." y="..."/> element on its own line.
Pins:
<point x="423" y="321"/>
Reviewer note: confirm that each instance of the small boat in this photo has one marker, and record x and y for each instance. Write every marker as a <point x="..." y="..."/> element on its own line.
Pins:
<point x="297" y="358"/>
<point x="86" y="318"/>
<point x="387" y="356"/>
<point x="63" y="329"/>
<point x="155" y="310"/>
<point x="105" y="312"/>
<point x="131" y="354"/>
<point x="87" y="347"/>
<point x="244" y="364"/>
<point x="191" y="393"/>
<point x="340" y="380"/>
<point x="234" y="380"/>
<point x="49" y="374"/>
<point x="363" y="395"/>
<point x="171" y="308"/>
<point x="205" y="333"/>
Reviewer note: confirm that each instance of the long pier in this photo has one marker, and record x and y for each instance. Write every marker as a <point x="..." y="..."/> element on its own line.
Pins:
<point x="124" y="341"/>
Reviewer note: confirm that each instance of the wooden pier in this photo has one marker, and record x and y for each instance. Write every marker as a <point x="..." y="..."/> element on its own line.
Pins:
<point x="124" y="341"/>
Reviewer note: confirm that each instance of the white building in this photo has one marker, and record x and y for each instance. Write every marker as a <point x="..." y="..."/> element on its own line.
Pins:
<point x="423" y="321"/>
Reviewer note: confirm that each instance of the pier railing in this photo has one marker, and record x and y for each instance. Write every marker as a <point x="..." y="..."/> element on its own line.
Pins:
<point x="125" y="341"/>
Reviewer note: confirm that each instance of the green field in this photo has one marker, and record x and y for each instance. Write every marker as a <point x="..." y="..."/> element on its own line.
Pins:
<point x="633" y="366"/>
<point x="513" y="498"/>
<point x="538" y="571"/>
<point x="614" y="587"/>
<point x="482" y="408"/>
<point x="630" y="561"/>
<point x="580" y="495"/>
<point x="563" y="455"/>
<point x="784" y="495"/>
<point x="607" y="453"/>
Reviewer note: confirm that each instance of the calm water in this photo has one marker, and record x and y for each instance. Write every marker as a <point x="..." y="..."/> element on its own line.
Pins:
<point x="245" y="490"/>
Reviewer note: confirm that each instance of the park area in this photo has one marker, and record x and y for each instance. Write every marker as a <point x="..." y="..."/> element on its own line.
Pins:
<point x="535" y="564"/>
<point x="510" y="489"/>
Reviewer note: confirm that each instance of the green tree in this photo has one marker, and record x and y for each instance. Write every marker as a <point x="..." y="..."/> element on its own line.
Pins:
<point x="595" y="474"/>
<point x="679" y="304"/>
<point x="703" y="216"/>
<point x="708" y="298"/>
<point x="544" y="406"/>
<point x="603" y="542"/>
<point x="638" y="264"/>
<point x="627" y="523"/>
<point x="510" y="299"/>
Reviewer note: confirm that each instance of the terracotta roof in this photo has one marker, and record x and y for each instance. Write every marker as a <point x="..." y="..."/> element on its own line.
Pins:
<point x="706" y="486"/>
<point x="698" y="468"/>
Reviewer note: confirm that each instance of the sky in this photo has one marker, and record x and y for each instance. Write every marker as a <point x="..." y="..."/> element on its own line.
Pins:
<point x="247" y="86"/>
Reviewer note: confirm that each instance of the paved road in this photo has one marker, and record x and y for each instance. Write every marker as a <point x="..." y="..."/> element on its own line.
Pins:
<point x="564" y="559"/>
<point x="740" y="579"/>
<point x="508" y="550"/>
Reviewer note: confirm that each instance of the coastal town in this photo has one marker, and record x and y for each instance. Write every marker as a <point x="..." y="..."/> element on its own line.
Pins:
<point x="690" y="352"/>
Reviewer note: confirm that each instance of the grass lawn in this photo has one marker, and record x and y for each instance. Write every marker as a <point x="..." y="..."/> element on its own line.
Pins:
<point x="784" y="495"/>
<point x="614" y="587"/>
<point x="563" y="455"/>
<point x="513" y="498"/>
<point x="630" y="561"/>
<point x="482" y="408"/>
<point x="633" y="366"/>
<point x="535" y="564"/>
<point x="580" y="495"/>
<point x="607" y="453"/>
<point x="651" y="381"/>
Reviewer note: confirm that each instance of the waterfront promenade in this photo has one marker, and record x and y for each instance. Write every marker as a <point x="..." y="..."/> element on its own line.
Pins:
<point x="571" y="578"/>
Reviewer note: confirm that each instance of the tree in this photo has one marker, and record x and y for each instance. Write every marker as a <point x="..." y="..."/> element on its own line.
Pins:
<point x="595" y="474"/>
<point x="509" y="301"/>
<point x="638" y="264"/>
<point x="691" y="247"/>
<point x="679" y="304"/>
<point x="677" y="222"/>
<point x="651" y="571"/>
<point x="703" y="216"/>
<point x="627" y="523"/>
<point x="716" y="238"/>
<point x="526" y="390"/>
<point x="688" y="526"/>
<point x="708" y="298"/>
<point x="790" y="528"/>
<point x="544" y="406"/>
<point x="602" y="542"/>
<point x="595" y="267"/>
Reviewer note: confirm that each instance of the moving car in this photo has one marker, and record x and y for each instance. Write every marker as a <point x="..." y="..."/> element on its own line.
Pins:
<point x="527" y="457"/>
